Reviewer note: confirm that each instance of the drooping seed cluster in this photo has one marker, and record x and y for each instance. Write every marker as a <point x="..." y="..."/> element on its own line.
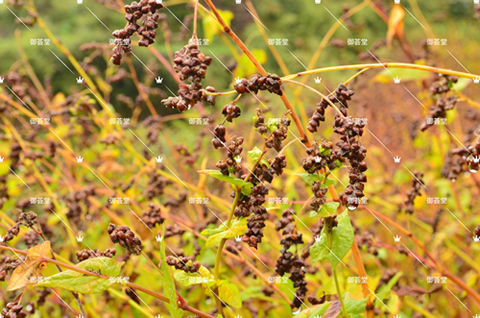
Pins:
<point x="13" y="310"/>
<point x="350" y="132"/>
<point x="9" y="265"/>
<point x="367" y="241"/>
<point x="320" y="196"/>
<point x="444" y="101"/>
<point x="125" y="237"/>
<point x="231" y="111"/>
<point x="256" y="222"/>
<point x="219" y="140"/>
<point x="417" y="184"/>
<point x="87" y="254"/>
<point x="147" y="33"/>
<point x="289" y="262"/>
<point x="279" y="134"/>
<point x="172" y="230"/>
<point x="342" y="95"/>
<point x="27" y="219"/>
<point x="320" y="156"/>
<point x="190" y="65"/>
<point x="186" y="264"/>
<point x="79" y="203"/>
<point x="156" y="185"/>
<point x="31" y="239"/>
<point x="459" y="159"/>
<point x="270" y="82"/>
<point x="232" y="164"/>
<point x="153" y="215"/>
<point x="259" y="122"/>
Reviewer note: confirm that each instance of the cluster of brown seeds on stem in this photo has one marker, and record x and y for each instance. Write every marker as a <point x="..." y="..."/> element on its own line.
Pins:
<point x="417" y="184"/>
<point x="350" y="132"/>
<point x="153" y="215"/>
<point x="460" y="160"/>
<point x="269" y="82"/>
<point x="125" y="237"/>
<point x="147" y="33"/>
<point x="441" y="89"/>
<point x="13" y="310"/>
<point x="87" y="254"/>
<point x="341" y="95"/>
<point x="190" y="65"/>
<point x="184" y="263"/>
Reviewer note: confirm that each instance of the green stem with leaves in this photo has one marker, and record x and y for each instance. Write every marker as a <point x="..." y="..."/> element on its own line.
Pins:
<point x="218" y="258"/>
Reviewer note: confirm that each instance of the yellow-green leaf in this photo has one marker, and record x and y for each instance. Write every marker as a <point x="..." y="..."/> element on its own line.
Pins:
<point x="229" y="293"/>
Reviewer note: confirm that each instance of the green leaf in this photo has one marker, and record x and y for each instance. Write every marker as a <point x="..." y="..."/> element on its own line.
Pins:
<point x="313" y="311"/>
<point x="86" y="284"/>
<point x="327" y="210"/>
<point x="309" y="177"/>
<point x="385" y="289"/>
<point x="229" y="293"/>
<point x="246" y="187"/>
<point x="203" y="276"/>
<point x="245" y="68"/>
<point x="354" y="307"/>
<point x="169" y="283"/>
<point x="211" y="27"/>
<point x="341" y="242"/>
<point x="254" y="154"/>
<point x="237" y="228"/>
<point x="461" y="84"/>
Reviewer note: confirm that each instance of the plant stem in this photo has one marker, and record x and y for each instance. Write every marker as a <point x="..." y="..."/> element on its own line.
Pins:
<point x="220" y="248"/>
<point x="339" y="293"/>
<point x="184" y="306"/>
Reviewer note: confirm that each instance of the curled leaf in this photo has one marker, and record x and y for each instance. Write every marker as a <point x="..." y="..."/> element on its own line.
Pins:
<point x="31" y="267"/>
<point x="395" y="23"/>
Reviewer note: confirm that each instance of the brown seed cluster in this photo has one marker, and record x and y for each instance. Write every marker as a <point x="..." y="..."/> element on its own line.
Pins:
<point x="320" y="156"/>
<point x="87" y="254"/>
<point x="342" y="95"/>
<point x="153" y="215"/>
<point x="417" y="184"/>
<point x="31" y="239"/>
<point x="9" y="265"/>
<point x="459" y="159"/>
<point x="172" y="230"/>
<point x="350" y="132"/>
<point x="186" y="264"/>
<point x="256" y="222"/>
<point x="26" y="219"/>
<point x="147" y="33"/>
<point x="289" y="262"/>
<point x="125" y="237"/>
<point x="12" y="310"/>
<point x="279" y="134"/>
<point x="230" y="165"/>
<point x="445" y="101"/>
<point x="231" y="111"/>
<point x="270" y="82"/>
<point x="190" y="65"/>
